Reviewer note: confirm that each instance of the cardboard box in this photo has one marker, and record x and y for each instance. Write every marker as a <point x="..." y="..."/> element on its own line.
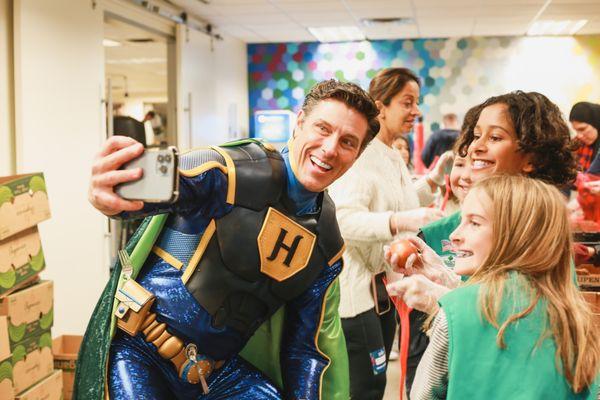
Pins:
<point x="6" y="386"/>
<point x="65" y="349"/>
<point x="588" y="276"/>
<point x="21" y="259"/>
<point x="23" y="203"/>
<point x="593" y="299"/>
<point x="4" y="343"/>
<point x="32" y="361"/>
<point x="30" y="312"/>
<point x="48" y="389"/>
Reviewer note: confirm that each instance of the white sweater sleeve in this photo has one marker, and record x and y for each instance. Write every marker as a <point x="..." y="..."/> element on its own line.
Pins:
<point x="352" y="195"/>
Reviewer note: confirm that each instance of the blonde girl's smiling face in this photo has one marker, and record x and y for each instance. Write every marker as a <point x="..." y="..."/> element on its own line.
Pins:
<point x="472" y="240"/>
<point x="495" y="147"/>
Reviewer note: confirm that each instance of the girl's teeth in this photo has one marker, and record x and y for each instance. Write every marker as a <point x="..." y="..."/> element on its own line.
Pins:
<point x="480" y="164"/>
<point x="462" y="254"/>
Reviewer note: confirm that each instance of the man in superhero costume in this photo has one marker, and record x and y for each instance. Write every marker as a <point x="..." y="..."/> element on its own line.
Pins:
<point x="249" y="252"/>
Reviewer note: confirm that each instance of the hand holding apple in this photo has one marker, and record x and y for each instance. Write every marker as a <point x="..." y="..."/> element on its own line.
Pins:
<point x="417" y="258"/>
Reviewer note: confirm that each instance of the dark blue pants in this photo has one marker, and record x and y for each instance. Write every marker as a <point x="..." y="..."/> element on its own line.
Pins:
<point x="137" y="372"/>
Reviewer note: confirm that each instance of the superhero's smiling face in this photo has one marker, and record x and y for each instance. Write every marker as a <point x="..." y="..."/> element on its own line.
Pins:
<point x="326" y="143"/>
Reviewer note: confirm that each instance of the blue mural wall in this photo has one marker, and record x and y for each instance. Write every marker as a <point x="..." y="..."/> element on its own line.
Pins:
<point x="456" y="73"/>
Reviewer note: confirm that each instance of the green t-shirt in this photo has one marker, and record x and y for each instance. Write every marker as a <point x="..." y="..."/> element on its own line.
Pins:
<point x="479" y="369"/>
<point x="437" y="236"/>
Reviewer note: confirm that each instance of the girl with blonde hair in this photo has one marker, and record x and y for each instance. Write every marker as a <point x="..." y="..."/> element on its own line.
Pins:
<point x="519" y="327"/>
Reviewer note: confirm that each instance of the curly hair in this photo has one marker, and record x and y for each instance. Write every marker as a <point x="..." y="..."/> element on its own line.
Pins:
<point x="541" y="132"/>
<point x="350" y="94"/>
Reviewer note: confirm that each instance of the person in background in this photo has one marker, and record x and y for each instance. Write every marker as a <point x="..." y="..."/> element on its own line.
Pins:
<point x="519" y="327"/>
<point x="585" y="120"/>
<point x="154" y="120"/>
<point x="402" y="144"/>
<point x="442" y="140"/>
<point x="375" y="201"/>
<point x="449" y="203"/>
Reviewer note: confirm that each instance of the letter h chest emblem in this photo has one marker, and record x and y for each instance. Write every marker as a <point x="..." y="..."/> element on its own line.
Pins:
<point x="284" y="246"/>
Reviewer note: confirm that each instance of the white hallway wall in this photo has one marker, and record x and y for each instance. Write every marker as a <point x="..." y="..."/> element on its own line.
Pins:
<point x="6" y="90"/>
<point x="214" y="78"/>
<point x="59" y="78"/>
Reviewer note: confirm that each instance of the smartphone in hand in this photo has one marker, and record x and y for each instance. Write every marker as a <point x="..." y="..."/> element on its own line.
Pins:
<point x="159" y="182"/>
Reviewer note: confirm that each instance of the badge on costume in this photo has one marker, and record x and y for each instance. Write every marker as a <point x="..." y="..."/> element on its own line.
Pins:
<point x="284" y="246"/>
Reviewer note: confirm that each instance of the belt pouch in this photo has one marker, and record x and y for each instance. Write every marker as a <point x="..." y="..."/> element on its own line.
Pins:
<point x="134" y="305"/>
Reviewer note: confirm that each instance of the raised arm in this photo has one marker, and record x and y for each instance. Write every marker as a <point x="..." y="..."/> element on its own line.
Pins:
<point x="202" y="175"/>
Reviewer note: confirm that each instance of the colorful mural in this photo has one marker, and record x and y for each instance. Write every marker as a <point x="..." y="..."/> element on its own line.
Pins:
<point x="456" y="73"/>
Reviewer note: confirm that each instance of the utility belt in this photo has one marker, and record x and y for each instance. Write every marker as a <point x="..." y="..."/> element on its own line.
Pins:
<point x="134" y="316"/>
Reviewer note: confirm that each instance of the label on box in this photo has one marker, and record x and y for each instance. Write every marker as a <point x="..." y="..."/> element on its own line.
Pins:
<point x="588" y="280"/>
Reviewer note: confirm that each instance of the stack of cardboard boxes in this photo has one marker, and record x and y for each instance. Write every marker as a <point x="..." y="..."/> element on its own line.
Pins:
<point x="26" y="303"/>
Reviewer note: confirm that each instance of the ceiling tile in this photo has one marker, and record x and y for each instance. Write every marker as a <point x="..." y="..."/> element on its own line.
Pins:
<point x="391" y="32"/>
<point x="259" y="19"/>
<point x="433" y="18"/>
<point x="297" y="36"/>
<point x="324" y="8"/>
<point x="505" y="29"/>
<point x="313" y="19"/>
<point x="244" y="9"/>
<point x="592" y="27"/>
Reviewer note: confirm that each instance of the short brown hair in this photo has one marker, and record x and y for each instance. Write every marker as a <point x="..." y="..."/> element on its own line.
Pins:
<point x="351" y="95"/>
<point x="389" y="82"/>
<point x="541" y="131"/>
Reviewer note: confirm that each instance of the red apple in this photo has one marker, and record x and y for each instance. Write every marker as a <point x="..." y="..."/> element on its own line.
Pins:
<point x="403" y="249"/>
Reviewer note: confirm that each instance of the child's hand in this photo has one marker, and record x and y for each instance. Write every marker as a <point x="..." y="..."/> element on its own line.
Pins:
<point x="418" y="292"/>
<point x="426" y="263"/>
<point x="442" y="167"/>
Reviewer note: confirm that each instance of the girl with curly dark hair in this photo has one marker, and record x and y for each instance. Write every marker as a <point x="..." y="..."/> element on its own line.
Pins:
<point x="520" y="132"/>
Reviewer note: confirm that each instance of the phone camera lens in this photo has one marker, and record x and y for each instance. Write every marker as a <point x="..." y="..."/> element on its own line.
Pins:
<point x="168" y="158"/>
<point x="160" y="158"/>
<point x="163" y="169"/>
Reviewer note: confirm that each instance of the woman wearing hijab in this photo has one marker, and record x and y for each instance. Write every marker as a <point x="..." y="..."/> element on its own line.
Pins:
<point x="585" y="119"/>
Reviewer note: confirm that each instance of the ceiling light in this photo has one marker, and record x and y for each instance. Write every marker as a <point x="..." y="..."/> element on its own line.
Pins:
<point x="549" y="27"/>
<point x="326" y="34"/>
<point x="110" y="43"/>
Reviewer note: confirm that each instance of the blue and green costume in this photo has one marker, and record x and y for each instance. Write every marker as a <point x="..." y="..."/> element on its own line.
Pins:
<point x="280" y="337"/>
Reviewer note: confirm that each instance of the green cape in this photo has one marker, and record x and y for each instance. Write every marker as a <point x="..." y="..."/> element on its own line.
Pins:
<point x="262" y="350"/>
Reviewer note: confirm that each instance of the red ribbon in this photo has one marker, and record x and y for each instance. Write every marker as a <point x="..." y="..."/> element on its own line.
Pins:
<point x="404" y="313"/>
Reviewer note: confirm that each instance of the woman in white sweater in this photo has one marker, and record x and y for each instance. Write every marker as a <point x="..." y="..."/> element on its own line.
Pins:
<point x="375" y="201"/>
